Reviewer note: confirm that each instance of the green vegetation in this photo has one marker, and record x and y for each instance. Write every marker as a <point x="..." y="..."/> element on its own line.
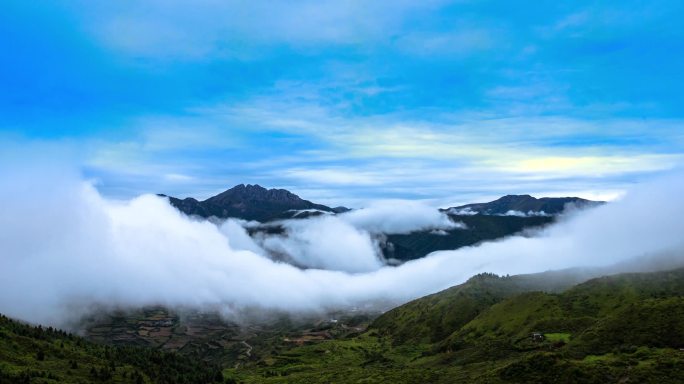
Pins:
<point x="558" y="337"/>
<point x="516" y="329"/>
<point x="434" y="317"/>
<point x="624" y="328"/>
<point x="45" y="355"/>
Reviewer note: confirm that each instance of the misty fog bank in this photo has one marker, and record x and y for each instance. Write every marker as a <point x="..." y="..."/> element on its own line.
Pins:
<point x="65" y="248"/>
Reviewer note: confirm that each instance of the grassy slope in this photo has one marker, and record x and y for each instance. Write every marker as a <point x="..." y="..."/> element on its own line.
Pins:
<point x="614" y="329"/>
<point x="432" y="318"/>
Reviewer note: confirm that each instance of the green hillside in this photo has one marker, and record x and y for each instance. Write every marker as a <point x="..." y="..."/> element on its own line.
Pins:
<point x="625" y="328"/>
<point x="433" y="317"/>
<point x="540" y="328"/>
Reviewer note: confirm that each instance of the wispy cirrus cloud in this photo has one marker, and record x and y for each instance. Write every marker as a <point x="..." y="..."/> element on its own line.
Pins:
<point x="384" y="156"/>
<point x="238" y="30"/>
<point x="350" y="101"/>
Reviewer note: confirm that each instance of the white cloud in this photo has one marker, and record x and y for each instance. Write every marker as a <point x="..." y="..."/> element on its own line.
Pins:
<point x="461" y="42"/>
<point x="566" y="166"/>
<point x="398" y="217"/>
<point x="325" y="242"/>
<point x="572" y="20"/>
<point x="462" y="211"/>
<point x="525" y="214"/>
<point x="64" y="248"/>
<point x="345" y="242"/>
<point x="236" y="29"/>
<point x="239" y="239"/>
<point x="453" y="157"/>
<point x="333" y="175"/>
<point x="177" y="177"/>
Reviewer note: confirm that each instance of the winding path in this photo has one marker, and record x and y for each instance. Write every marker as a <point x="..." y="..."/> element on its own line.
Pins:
<point x="249" y="348"/>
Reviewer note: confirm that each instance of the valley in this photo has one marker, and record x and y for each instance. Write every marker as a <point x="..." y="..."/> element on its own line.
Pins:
<point x="538" y="328"/>
<point x="341" y="192"/>
<point x="576" y="325"/>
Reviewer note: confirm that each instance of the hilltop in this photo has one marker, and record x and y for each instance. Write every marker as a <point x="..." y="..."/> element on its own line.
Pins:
<point x="497" y="329"/>
<point x="524" y="205"/>
<point x="251" y="202"/>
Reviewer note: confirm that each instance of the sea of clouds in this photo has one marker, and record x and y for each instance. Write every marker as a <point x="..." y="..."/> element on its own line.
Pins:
<point x="348" y="241"/>
<point x="64" y="249"/>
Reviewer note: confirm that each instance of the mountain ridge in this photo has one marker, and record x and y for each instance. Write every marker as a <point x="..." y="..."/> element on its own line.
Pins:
<point x="254" y="202"/>
<point x="484" y="221"/>
<point x="251" y="202"/>
<point x="524" y="204"/>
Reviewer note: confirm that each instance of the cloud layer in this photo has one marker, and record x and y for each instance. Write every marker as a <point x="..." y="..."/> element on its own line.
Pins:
<point x="327" y="243"/>
<point x="65" y="248"/>
<point x="316" y="242"/>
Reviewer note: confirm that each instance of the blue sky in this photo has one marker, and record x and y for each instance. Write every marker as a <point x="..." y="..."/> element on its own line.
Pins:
<point x="349" y="101"/>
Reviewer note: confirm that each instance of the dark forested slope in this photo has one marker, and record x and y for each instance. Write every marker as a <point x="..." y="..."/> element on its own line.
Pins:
<point x="34" y="354"/>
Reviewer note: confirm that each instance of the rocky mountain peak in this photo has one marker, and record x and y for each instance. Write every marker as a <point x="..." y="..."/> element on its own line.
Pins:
<point x="250" y="202"/>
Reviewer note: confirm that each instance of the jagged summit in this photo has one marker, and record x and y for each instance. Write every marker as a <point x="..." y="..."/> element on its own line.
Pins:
<point x="249" y="202"/>
<point x="255" y="192"/>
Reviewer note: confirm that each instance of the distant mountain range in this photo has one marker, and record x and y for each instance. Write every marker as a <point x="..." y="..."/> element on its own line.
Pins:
<point x="254" y="202"/>
<point x="524" y="205"/>
<point x="496" y="219"/>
